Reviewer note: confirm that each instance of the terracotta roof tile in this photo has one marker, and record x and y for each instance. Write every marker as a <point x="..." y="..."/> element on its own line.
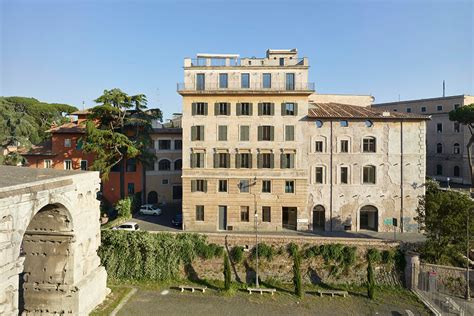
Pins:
<point x="42" y="149"/>
<point x="71" y="127"/>
<point x="347" y="111"/>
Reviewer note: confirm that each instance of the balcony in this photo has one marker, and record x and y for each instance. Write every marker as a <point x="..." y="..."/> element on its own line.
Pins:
<point x="236" y="87"/>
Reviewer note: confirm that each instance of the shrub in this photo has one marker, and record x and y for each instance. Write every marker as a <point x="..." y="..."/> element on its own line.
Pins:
<point x="349" y="255"/>
<point x="388" y="256"/>
<point x="264" y="251"/>
<point x="209" y="251"/>
<point x="312" y="252"/>
<point x="373" y="255"/>
<point x="124" y="207"/>
<point x="292" y="248"/>
<point x="400" y="261"/>
<point x="227" y="273"/>
<point x="332" y="252"/>
<point x="237" y="254"/>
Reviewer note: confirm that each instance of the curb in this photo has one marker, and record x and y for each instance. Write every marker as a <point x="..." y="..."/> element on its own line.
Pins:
<point x="122" y="303"/>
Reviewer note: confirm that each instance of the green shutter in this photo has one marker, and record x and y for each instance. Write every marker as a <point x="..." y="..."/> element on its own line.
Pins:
<point x="250" y="160"/>
<point x="259" y="161"/>
<point x="238" y="109"/>
<point x="228" y="109"/>
<point x="260" y="133"/>
<point x="283" y="112"/>
<point x="292" y="161"/>
<point x="216" y="160"/>
<point x="250" y="109"/>
<point x="201" y="160"/>
<point x="237" y="161"/>
<point x="296" y="109"/>
<point x="201" y="133"/>
<point x="227" y="160"/>
<point x="272" y="161"/>
<point x="272" y="108"/>
<point x="260" y="109"/>
<point x="193" y="160"/>
<point x="216" y="108"/>
<point x="205" y="186"/>
<point x="193" y="185"/>
<point x="282" y="161"/>
<point x="193" y="108"/>
<point x="193" y="133"/>
<point x="205" y="108"/>
<point x="272" y="136"/>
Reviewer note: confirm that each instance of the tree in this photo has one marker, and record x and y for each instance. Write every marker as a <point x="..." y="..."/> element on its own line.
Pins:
<point x="370" y="280"/>
<point x="296" y="270"/>
<point x="465" y="115"/>
<point x="442" y="215"/>
<point x="227" y="272"/>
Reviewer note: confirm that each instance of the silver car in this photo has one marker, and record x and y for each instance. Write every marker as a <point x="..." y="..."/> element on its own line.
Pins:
<point x="149" y="209"/>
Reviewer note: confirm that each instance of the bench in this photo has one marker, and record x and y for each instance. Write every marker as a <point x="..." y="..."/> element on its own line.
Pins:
<point x="261" y="290"/>
<point x="332" y="293"/>
<point x="192" y="288"/>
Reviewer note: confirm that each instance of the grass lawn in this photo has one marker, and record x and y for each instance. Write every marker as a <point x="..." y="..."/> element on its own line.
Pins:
<point x="118" y="292"/>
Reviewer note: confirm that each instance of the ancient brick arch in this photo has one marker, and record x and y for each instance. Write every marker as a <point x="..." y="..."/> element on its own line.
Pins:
<point x="48" y="259"/>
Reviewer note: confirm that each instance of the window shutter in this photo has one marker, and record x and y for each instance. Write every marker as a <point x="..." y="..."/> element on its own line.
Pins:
<point x="205" y="185"/>
<point x="272" y="161"/>
<point x="259" y="161"/>
<point x="193" y="185"/>
<point x="194" y="108"/>
<point x="193" y="160"/>
<point x="282" y="161"/>
<point x="272" y="108"/>
<point x="250" y="109"/>
<point x="283" y="109"/>
<point x="193" y="133"/>
<point x="228" y="109"/>
<point x="216" y="160"/>
<point x="201" y="160"/>
<point x="227" y="160"/>
<point x="250" y="160"/>
<point x="201" y="133"/>
<point x="292" y="161"/>
<point x="238" y="109"/>
<point x="237" y="161"/>
<point x="296" y="108"/>
<point x="216" y="108"/>
<point x="260" y="105"/>
<point x="205" y="108"/>
<point x="260" y="132"/>
<point x="272" y="136"/>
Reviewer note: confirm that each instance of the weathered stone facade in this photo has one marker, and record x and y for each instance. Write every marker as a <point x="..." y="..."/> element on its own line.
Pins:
<point x="49" y="235"/>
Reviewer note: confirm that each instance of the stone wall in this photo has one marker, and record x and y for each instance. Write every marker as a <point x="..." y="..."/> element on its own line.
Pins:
<point x="451" y="280"/>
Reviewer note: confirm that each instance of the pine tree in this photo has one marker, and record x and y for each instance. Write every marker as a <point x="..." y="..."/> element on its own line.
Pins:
<point x="227" y="272"/>
<point x="297" y="272"/>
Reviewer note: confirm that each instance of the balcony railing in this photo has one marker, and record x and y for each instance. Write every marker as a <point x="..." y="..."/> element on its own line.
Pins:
<point x="245" y="62"/>
<point x="254" y="86"/>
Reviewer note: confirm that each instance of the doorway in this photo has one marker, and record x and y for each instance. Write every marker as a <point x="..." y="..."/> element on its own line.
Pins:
<point x="177" y="192"/>
<point x="369" y="218"/>
<point x="319" y="219"/>
<point x="289" y="215"/>
<point x="222" y="217"/>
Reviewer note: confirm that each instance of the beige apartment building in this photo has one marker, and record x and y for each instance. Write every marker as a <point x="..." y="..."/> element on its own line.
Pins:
<point x="163" y="179"/>
<point x="446" y="140"/>
<point x="249" y="139"/>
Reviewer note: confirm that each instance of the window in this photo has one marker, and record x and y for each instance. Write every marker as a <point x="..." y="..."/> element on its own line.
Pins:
<point x="265" y="133"/>
<point x="266" y="214"/>
<point x="290" y="81"/>
<point x="439" y="108"/>
<point x="244" y="213"/>
<point x="319" y="146"/>
<point x="83" y="164"/>
<point x="245" y="81"/>
<point x="222" y="133"/>
<point x="289" y="109"/>
<point x="244" y="186"/>
<point x="439" y="127"/>
<point x="178" y="144"/>
<point x="369" y="145"/>
<point x="197" y="160"/>
<point x="456" y="149"/>
<point x="131" y="165"/>
<point x="457" y="171"/>
<point x="319" y="176"/>
<point x="198" y="186"/>
<point x="439" y="148"/>
<point x="265" y="108"/>
<point x="266" y="186"/>
<point x="48" y="163"/>
<point x="408" y="110"/>
<point x="369" y="123"/>
<point x="197" y="132"/>
<point x="199" y="108"/>
<point x="165" y="181"/>
<point x="282" y="61"/>
<point x="344" y="123"/>
<point x="67" y="142"/>
<point x="67" y="164"/>
<point x="221" y="160"/>
<point x="178" y="164"/>
<point x="267" y="81"/>
<point x="164" y="165"/>
<point x="200" y="213"/>
<point x="439" y="170"/>
<point x="287" y="161"/>
<point x="131" y="188"/>
<point x="289" y="132"/>
<point x="456" y="127"/>
<point x="116" y="168"/>
<point x="344" y="175"/>
<point x="222" y="186"/>
<point x="244" y="133"/>
<point x="344" y="146"/>
<point x="368" y="175"/>
<point x="79" y="144"/>
<point x="223" y="82"/>
<point x="200" y="82"/>
<point x="289" y="186"/>
<point x="243" y="160"/>
<point x="222" y="108"/>
<point x="164" y="144"/>
<point x="319" y="123"/>
<point x="456" y="106"/>
<point x="244" y="109"/>
<point x="265" y="160"/>
<point x="423" y="109"/>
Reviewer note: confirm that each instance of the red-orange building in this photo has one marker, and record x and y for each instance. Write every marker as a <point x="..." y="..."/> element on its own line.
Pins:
<point x="64" y="151"/>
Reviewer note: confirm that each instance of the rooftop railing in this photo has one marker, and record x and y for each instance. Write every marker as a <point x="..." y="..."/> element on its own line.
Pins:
<point x="250" y="62"/>
<point x="254" y="86"/>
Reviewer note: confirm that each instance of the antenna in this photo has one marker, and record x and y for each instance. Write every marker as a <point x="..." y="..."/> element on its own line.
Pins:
<point x="399" y="97"/>
<point x="83" y="106"/>
<point x="444" y="89"/>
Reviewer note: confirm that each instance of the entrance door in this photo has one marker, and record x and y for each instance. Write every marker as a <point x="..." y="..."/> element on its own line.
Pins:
<point x="289" y="216"/>
<point x="319" y="217"/>
<point x="369" y="218"/>
<point x="177" y="192"/>
<point x="222" y="217"/>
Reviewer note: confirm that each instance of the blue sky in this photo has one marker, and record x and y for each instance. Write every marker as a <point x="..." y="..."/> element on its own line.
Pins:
<point x="70" y="51"/>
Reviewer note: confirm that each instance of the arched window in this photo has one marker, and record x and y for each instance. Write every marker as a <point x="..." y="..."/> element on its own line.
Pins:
<point x="369" y="145"/>
<point x="368" y="175"/>
<point x="439" y="170"/>
<point x="164" y="165"/>
<point x="178" y="164"/>
<point x="457" y="171"/>
<point x="318" y="217"/>
<point x="456" y="149"/>
<point x="439" y="148"/>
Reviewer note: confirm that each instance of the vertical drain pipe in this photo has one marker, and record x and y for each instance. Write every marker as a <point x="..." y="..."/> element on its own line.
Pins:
<point x="330" y="177"/>
<point x="401" y="176"/>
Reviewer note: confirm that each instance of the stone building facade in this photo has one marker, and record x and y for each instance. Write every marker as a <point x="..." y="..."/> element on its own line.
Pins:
<point x="446" y="152"/>
<point x="248" y="137"/>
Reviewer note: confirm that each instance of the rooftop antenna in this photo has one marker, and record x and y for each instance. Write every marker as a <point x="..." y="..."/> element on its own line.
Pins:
<point x="83" y="106"/>
<point x="444" y="89"/>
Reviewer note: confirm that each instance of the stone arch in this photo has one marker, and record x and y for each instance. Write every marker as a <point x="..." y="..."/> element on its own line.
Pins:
<point x="164" y="164"/>
<point x="152" y="197"/>
<point x="369" y="218"/>
<point x="178" y="164"/>
<point x="319" y="218"/>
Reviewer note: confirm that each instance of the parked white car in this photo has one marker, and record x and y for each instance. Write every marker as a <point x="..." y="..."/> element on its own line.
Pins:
<point x="131" y="226"/>
<point x="149" y="209"/>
